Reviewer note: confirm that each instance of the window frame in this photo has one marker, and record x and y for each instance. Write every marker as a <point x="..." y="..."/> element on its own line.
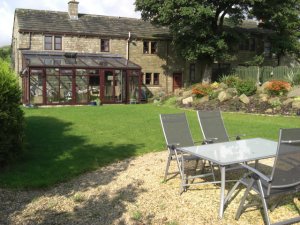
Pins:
<point x="148" y="78"/>
<point x="150" y="47"/>
<point x="59" y="44"/>
<point x="155" y="78"/>
<point x="47" y="42"/>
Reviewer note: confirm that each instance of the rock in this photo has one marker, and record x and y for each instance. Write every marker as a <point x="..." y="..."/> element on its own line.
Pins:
<point x="223" y="86"/>
<point x="203" y="100"/>
<point x="224" y="96"/>
<point x="259" y="90"/>
<point x="244" y="99"/>
<point x="187" y="100"/>
<point x="294" y="93"/>
<point x="275" y="101"/>
<point x="263" y="97"/>
<point x="287" y="102"/>
<point x="231" y="91"/>
<point x="186" y="94"/>
<point x="269" y="111"/>
<point x="296" y="104"/>
<point x="178" y="92"/>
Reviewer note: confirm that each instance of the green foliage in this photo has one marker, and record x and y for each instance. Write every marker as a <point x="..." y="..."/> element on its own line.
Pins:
<point x="197" y="27"/>
<point x="5" y="53"/>
<point x="246" y="87"/>
<point x="257" y="60"/>
<point x="282" y="17"/>
<point x="231" y="80"/>
<point x="11" y="116"/>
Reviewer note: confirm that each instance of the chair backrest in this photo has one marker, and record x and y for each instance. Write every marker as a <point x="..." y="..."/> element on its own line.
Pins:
<point x="176" y="129"/>
<point x="286" y="169"/>
<point x="212" y="126"/>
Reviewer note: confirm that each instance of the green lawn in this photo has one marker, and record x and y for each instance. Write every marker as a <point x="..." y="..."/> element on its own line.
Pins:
<point x="63" y="142"/>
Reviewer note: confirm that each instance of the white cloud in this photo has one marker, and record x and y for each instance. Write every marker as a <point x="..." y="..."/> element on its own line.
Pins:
<point x="123" y="8"/>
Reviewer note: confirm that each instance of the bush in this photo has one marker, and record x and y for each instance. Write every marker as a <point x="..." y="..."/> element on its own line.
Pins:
<point x="11" y="115"/>
<point x="201" y="90"/>
<point x="246" y="87"/>
<point x="231" y="81"/>
<point x="278" y="87"/>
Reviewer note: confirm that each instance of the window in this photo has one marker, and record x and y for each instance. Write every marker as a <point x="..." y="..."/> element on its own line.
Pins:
<point x="150" y="47"/>
<point x="247" y="45"/>
<point x="48" y="42"/>
<point x="156" y="78"/>
<point x="148" y="78"/>
<point x="104" y="45"/>
<point x="153" y="47"/>
<point x="146" y="47"/>
<point x="57" y="43"/>
<point x="192" y="72"/>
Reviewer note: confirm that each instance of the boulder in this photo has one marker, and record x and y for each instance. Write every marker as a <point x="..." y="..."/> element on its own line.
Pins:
<point x="264" y="85"/>
<point x="244" y="99"/>
<point x="269" y="111"/>
<point x="178" y="92"/>
<point x="232" y="91"/>
<point x="186" y="94"/>
<point x="224" y="96"/>
<point x="203" y="100"/>
<point x="274" y="101"/>
<point x="294" y="93"/>
<point x="187" y="100"/>
<point x="287" y="101"/>
<point x="263" y="97"/>
<point x="296" y="104"/>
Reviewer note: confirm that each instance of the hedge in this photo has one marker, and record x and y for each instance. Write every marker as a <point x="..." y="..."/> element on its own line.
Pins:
<point x="11" y="116"/>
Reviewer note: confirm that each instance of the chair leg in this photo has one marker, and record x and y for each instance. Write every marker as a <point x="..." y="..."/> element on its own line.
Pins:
<point x="241" y="206"/>
<point x="168" y="165"/>
<point x="264" y="203"/>
<point x="212" y="171"/>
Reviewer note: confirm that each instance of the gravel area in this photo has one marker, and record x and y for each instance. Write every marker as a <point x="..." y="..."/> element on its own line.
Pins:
<point x="127" y="192"/>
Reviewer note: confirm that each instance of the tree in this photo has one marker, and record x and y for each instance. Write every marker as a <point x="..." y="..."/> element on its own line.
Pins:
<point x="11" y="115"/>
<point x="197" y="26"/>
<point x="283" y="18"/>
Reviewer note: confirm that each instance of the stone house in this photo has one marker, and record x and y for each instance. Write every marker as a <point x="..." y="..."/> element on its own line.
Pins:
<point x="73" y="58"/>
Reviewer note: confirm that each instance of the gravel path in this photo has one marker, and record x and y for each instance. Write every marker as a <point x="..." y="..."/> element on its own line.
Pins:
<point x="127" y="192"/>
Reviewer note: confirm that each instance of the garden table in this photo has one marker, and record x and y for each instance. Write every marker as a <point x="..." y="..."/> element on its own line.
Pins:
<point x="233" y="152"/>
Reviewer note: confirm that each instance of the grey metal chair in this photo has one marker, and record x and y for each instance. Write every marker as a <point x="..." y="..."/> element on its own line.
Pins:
<point x="212" y="127"/>
<point x="177" y="134"/>
<point x="284" y="179"/>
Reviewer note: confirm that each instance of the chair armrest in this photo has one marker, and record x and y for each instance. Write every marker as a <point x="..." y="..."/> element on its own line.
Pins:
<point x="173" y="146"/>
<point x="259" y="174"/>
<point x="209" y="141"/>
<point x="237" y="136"/>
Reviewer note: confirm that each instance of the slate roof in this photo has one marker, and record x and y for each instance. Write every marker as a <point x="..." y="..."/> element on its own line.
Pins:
<point x="46" y="21"/>
<point x="59" y="22"/>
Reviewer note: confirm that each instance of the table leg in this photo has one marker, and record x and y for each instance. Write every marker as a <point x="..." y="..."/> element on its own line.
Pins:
<point x="222" y="195"/>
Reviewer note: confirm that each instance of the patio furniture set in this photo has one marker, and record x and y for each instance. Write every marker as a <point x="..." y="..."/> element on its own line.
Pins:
<point x="218" y="151"/>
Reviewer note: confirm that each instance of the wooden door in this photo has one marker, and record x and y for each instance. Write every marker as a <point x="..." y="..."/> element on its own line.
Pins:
<point x="177" y="81"/>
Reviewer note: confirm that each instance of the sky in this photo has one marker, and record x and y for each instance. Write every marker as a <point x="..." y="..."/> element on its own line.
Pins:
<point x="124" y="8"/>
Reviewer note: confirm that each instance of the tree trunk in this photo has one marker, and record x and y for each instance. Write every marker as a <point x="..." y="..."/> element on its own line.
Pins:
<point x="207" y="72"/>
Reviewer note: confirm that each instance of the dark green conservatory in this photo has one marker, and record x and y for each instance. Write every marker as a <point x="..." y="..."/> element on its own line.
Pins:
<point x="58" y="78"/>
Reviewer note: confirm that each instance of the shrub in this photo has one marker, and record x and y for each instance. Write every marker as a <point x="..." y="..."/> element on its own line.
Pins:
<point x="11" y="115"/>
<point x="231" y="81"/>
<point x="278" y="87"/>
<point x="201" y="90"/>
<point x="246" y="87"/>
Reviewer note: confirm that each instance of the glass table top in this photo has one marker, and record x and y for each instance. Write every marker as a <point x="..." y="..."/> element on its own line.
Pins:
<point x="232" y="152"/>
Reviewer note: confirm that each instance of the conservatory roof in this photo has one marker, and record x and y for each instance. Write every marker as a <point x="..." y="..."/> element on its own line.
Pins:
<point x="76" y="60"/>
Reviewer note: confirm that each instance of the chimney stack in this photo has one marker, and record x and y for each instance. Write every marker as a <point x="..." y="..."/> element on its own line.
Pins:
<point x="73" y="9"/>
